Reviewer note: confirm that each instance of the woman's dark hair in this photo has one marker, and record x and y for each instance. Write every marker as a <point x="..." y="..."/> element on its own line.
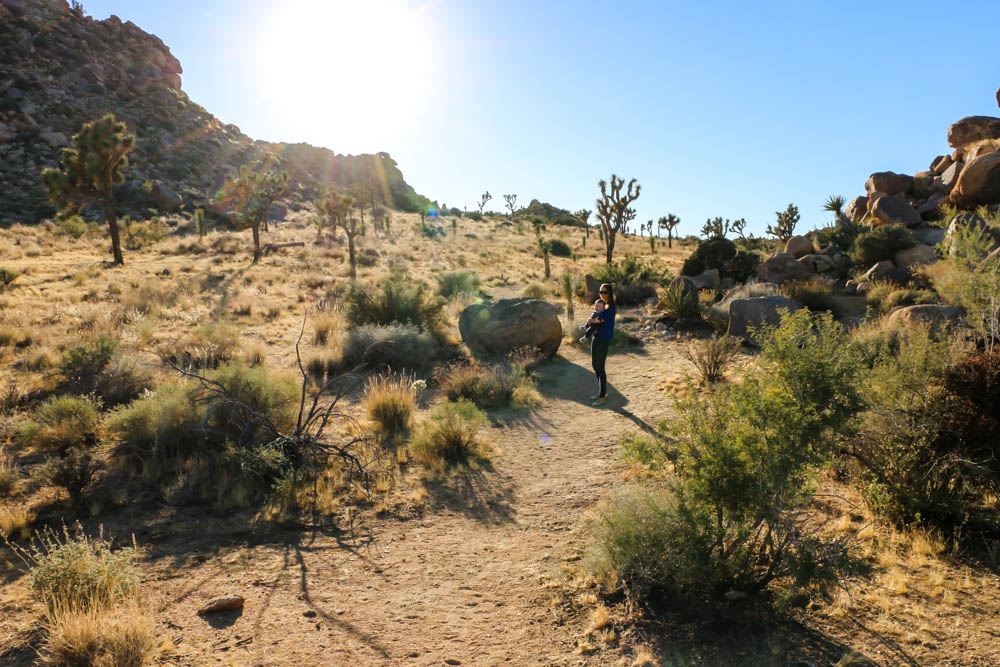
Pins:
<point x="607" y="293"/>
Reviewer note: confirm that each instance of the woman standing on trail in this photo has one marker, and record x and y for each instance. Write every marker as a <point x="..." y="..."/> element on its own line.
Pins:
<point x="602" y="341"/>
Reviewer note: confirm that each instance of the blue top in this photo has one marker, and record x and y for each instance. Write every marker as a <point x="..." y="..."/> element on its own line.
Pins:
<point x="607" y="330"/>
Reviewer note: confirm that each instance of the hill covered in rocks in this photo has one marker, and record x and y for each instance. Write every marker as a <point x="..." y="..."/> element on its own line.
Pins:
<point x="60" y="68"/>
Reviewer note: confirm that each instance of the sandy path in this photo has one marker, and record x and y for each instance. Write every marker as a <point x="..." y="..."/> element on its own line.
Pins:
<point x="461" y="584"/>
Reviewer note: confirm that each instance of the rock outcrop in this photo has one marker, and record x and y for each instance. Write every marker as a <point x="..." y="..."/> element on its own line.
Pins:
<point x="979" y="182"/>
<point x="508" y="324"/>
<point x="781" y="268"/>
<point x="745" y="315"/>
<point x="973" y="128"/>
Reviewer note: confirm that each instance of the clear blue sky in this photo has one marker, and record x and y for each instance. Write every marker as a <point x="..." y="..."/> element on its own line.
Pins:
<point x="725" y="108"/>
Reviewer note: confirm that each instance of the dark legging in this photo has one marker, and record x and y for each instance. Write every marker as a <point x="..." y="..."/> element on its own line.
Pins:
<point x="598" y="355"/>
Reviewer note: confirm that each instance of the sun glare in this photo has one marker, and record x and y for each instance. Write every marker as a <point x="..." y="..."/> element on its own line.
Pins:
<point x="356" y="71"/>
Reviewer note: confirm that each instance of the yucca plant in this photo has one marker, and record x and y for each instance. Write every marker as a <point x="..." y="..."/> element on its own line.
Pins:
<point x="679" y="302"/>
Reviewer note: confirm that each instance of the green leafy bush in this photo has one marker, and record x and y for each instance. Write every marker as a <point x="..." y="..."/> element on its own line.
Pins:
<point x="61" y="422"/>
<point x="559" y="248"/>
<point x="449" y="434"/>
<point x="631" y="270"/>
<point x="721" y="253"/>
<point x="457" y="283"/>
<point x="488" y="386"/>
<point x="970" y="279"/>
<point x="396" y="300"/>
<point x="396" y="346"/>
<point x="535" y="291"/>
<point x="745" y="456"/>
<point x="880" y="243"/>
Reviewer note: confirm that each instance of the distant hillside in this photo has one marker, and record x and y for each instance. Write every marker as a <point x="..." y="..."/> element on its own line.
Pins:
<point x="60" y="69"/>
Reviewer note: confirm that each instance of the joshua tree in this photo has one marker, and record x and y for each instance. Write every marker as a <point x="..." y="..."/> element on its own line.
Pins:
<point x="543" y="245"/>
<point x="511" y="204"/>
<point x="337" y="210"/>
<point x="737" y="227"/>
<point x="200" y="221"/>
<point x="251" y="194"/>
<point x="835" y="204"/>
<point x="583" y="215"/>
<point x="88" y="169"/>
<point x="784" y="226"/>
<point x="668" y="223"/>
<point x="714" y="228"/>
<point x="482" y="201"/>
<point x="614" y="211"/>
<point x="567" y="290"/>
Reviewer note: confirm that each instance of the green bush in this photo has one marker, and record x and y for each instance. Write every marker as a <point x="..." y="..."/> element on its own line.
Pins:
<point x="535" y="291"/>
<point x="161" y="425"/>
<point x="880" y="243"/>
<point x="396" y="346"/>
<point x="712" y="253"/>
<point x="631" y="270"/>
<point x="721" y="253"/>
<point x="449" y="434"/>
<point x="121" y="381"/>
<point x="74" y="226"/>
<point x="61" y="422"/>
<point x="7" y="278"/>
<point x="745" y="456"/>
<point x="457" y="283"/>
<point x="79" y="572"/>
<point x="559" y="248"/>
<point x="969" y="279"/>
<point x="396" y="300"/>
<point x="72" y="472"/>
<point x="209" y="346"/>
<point x="81" y="365"/>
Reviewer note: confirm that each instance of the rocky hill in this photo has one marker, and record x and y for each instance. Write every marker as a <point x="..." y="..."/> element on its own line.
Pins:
<point x="60" y="68"/>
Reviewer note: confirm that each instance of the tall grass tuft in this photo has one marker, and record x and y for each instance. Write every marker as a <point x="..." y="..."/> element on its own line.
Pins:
<point x="711" y="357"/>
<point x="389" y="402"/>
<point x="450" y="434"/>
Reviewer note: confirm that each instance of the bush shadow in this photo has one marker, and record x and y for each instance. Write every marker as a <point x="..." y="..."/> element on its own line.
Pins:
<point x="475" y="490"/>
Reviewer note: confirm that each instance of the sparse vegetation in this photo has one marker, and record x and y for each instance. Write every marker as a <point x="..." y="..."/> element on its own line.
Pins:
<point x="389" y="402"/>
<point x="711" y="357"/>
<point x="880" y="243"/>
<point x="450" y="434"/>
<point x="61" y="423"/>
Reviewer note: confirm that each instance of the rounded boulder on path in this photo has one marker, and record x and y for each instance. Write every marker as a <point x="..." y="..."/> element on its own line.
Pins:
<point x="504" y="326"/>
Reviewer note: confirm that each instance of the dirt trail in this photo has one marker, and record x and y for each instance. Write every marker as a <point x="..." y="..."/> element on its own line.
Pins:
<point x="464" y="583"/>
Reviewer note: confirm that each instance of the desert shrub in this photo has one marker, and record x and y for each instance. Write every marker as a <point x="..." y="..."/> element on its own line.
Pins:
<point x="80" y="365"/>
<point x="138" y="235"/>
<point x="396" y="346"/>
<point x="559" y="248"/>
<point x="745" y="456"/>
<point x="721" y="253"/>
<point x="905" y="296"/>
<point x="80" y="572"/>
<point x="123" y="637"/>
<point x="840" y="236"/>
<point x="396" y="300"/>
<point x="631" y="270"/>
<point x="9" y="472"/>
<point x="880" y="243"/>
<point x="368" y="257"/>
<point x="389" y="402"/>
<point x="449" y="434"/>
<point x="680" y="303"/>
<point x="7" y="278"/>
<point x="535" y="291"/>
<point x="488" y="386"/>
<point x="816" y="294"/>
<point x="73" y="472"/>
<point x="324" y="324"/>
<point x="59" y="423"/>
<point x="970" y="279"/>
<point x="711" y="357"/>
<point x="646" y="450"/>
<point x="971" y="426"/>
<point x="121" y="381"/>
<point x="180" y="420"/>
<point x="474" y="215"/>
<point x="209" y="346"/>
<point x="457" y="283"/>
<point x="74" y="226"/>
<point x="908" y="468"/>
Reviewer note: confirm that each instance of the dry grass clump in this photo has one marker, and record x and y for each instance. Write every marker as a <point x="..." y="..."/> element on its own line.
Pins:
<point x="15" y="522"/>
<point x="711" y="357"/>
<point x="9" y="472"/>
<point x="121" y="637"/>
<point x="208" y="346"/>
<point x="389" y="402"/>
<point x="535" y="291"/>
<point x="450" y="434"/>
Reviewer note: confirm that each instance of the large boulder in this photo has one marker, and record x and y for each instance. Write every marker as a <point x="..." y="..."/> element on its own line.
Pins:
<point x="925" y="315"/>
<point x="799" y="246"/>
<point x="973" y="128"/>
<point x="781" y="268"/>
<point x="979" y="150"/>
<point x="748" y="314"/>
<point x="929" y="209"/>
<point x="709" y="279"/>
<point x="720" y="310"/>
<point x="888" y="182"/>
<point x="950" y="175"/>
<point x="818" y="263"/>
<point x="979" y="182"/>
<point x="940" y="163"/>
<point x="918" y="255"/>
<point x="929" y="235"/>
<point x="504" y="326"/>
<point x="164" y="198"/>
<point x="856" y="209"/>
<point x="891" y="210"/>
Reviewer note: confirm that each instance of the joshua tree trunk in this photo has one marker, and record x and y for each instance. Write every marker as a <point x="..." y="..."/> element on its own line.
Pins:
<point x="350" y="256"/>
<point x="670" y="238"/>
<point x="609" y="246"/>
<point x="109" y="214"/>
<point x="547" y="272"/>
<point x="256" y="242"/>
